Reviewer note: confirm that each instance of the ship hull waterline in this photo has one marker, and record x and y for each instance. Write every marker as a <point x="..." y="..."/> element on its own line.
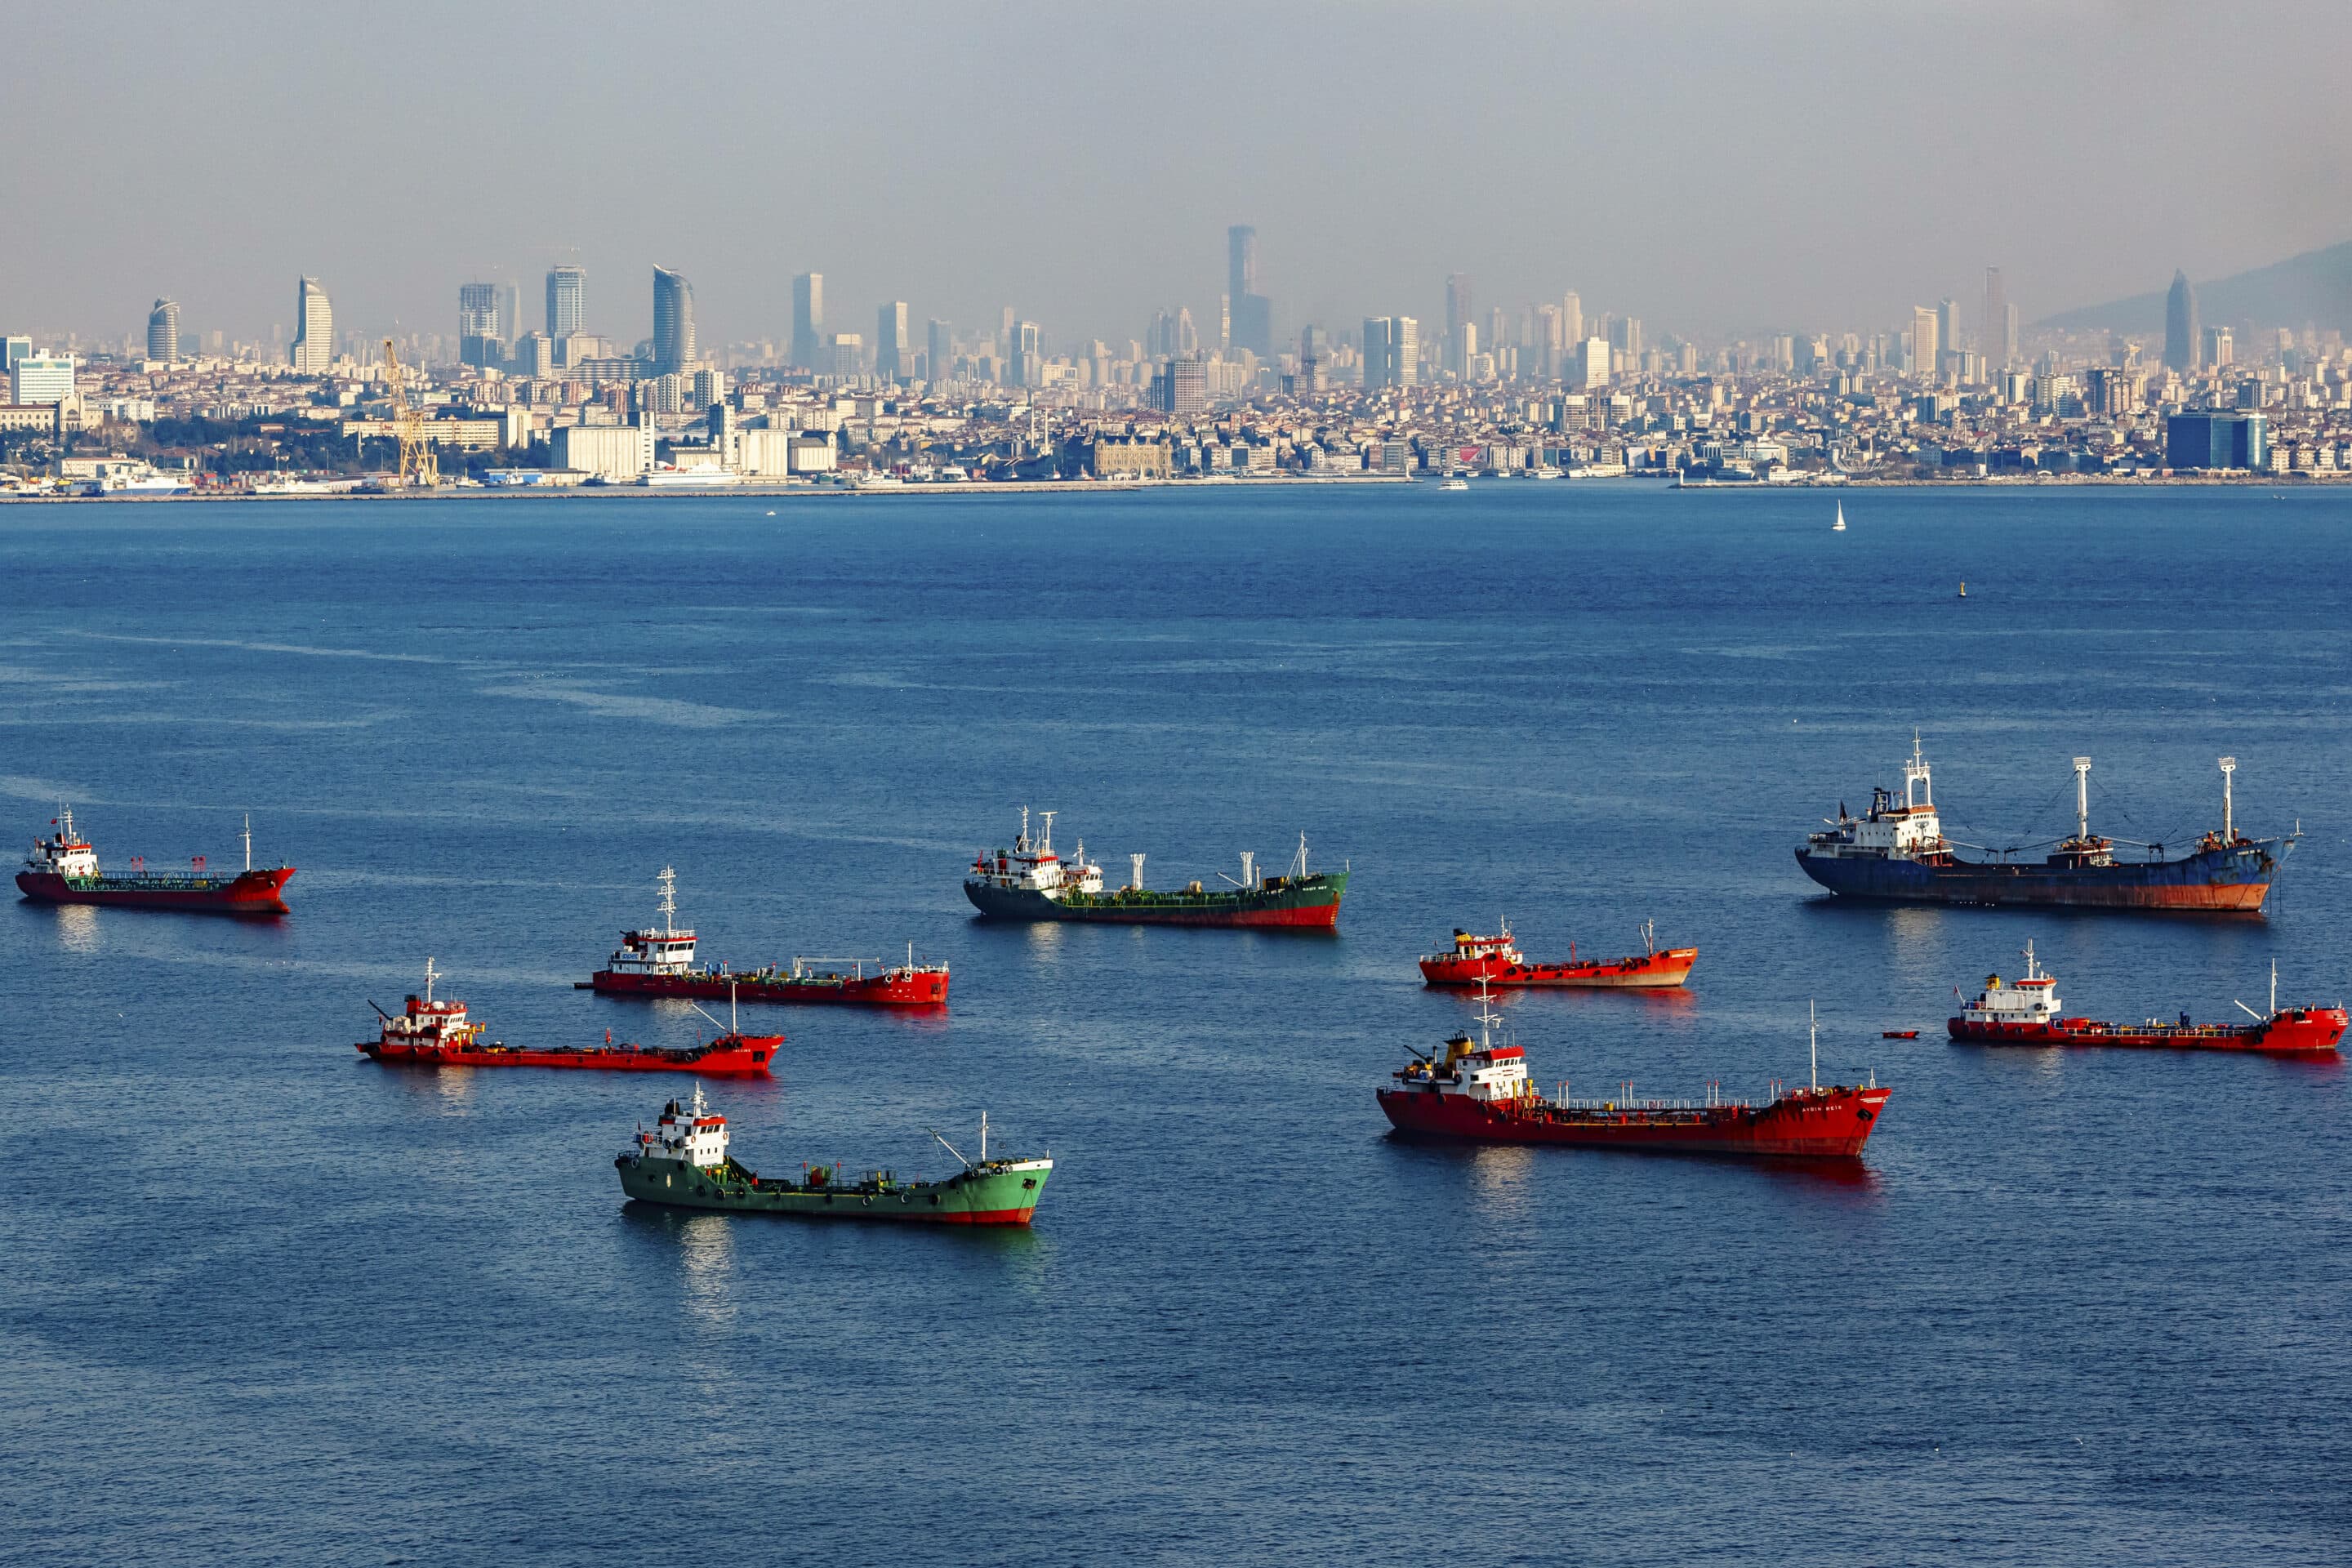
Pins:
<point x="1314" y="906"/>
<point x="2219" y="881"/>
<point x="1836" y="1127"/>
<point x="921" y="990"/>
<point x="751" y="1062"/>
<point x="255" y="894"/>
<point x="991" y="1198"/>
<point x="2304" y="1032"/>
<point x="1651" y="971"/>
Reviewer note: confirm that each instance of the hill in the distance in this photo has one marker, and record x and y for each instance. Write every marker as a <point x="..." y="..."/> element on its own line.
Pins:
<point x="2316" y="287"/>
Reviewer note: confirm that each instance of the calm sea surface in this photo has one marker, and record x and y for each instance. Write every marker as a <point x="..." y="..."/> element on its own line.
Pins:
<point x="261" y="1301"/>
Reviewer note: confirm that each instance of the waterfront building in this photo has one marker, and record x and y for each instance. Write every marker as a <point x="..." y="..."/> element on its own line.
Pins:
<point x="41" y="379"/>
<point x="808" y="321"/>
<point x="673" y="321"/>
<point x="567" y="301"/>
<point x="314" y="330"/>
<point x="609" y="451"/>
<point x="2181" y="342"/>
<point x="891" y="346"/>
<point x="2202" y="439"/>
<point x="164" y="331"/>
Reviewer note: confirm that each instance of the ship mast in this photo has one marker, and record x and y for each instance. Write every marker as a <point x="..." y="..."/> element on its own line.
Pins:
<point x="668" y="902"/>
<point x="248" y="838"/>
<point x="429" y="978"/>
<point x="2081" y="798"/>
<point x="2229" y="825"/>
<point x="1813" y="1014"/>
<point x="1915" y="772"/>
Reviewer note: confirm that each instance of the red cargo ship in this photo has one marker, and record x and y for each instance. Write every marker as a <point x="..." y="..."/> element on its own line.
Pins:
<point x="63" y="870"/>
<point x="651" y="963"/>
<point x="437" y="1034"/>
<point x="2028" y="1013"/>
<point x="1480" y="1091"/>
<point x="1497" y="960"/>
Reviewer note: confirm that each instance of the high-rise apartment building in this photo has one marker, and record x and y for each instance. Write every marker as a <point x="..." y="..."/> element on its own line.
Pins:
<point x="1251" y="313"/>
<point x="938" y="347"/>
<point x="1027" y="360"/>
<point x="314" y="332"/>
<point x="479" y="343"/>
<point x="808" y="321"/>
<point x="2220" y="348"/>
<point x="1588" y="365"/>
<point x="1948" y="332"/>
<point x="891" y="350"/>
<point x="1458" y="306"/>
<point x="1392" y="350"/>
<point x="1181" y="385"/>
<point x="2000" y="340"/>
<point x="567" y="300"/>
<point x="1925" y="343"/>
<point x="1572" y="317"/>
<point x="672" y="322"/>
<point x="2182" y="342"/>
<point x="164" y="331"/>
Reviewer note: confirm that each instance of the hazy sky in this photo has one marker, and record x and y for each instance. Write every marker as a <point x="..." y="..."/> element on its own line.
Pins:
<point x="1710" y="168"/>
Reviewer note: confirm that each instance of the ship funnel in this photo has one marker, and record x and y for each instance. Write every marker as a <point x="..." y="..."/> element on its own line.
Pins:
<point x="1137" y="883"/>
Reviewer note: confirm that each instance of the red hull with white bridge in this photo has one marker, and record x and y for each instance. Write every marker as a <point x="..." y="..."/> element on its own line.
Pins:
<point x="1497" y="961"/>
<point x="2027" y="1011"/>
<point x="1479" y="1091"/>
<point x="63" y="870"/>
<point x="659" y="961"/>
<point x="429" y="1033"/>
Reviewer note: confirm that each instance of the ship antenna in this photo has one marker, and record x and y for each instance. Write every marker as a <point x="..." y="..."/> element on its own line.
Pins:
<point x="1023" y="845"/>
<point x="2031" y="973"/>
<point x="731" y="1006"/>
<point x="2274" y="987"/>
<point x="1047" y="847"/>
<point x="1813" y="1013"/>
<point x="429" y="978"/>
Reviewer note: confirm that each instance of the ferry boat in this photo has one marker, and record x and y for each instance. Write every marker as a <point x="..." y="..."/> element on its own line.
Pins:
<point x="1497" y="961"/>
<point x="1030" y="882"/>
<point x="63" y="870"/>
<point x="2027" y="1011"/>
<point x="1898" y="852"/>
<point x="1478" y="1090"/>
<point x="682" y="1161"/>
<point x="435" y="1034"/>
<point x="660" y="962"/>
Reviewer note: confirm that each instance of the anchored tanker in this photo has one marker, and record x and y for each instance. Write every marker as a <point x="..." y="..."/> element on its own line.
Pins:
<point x="1030" y="882"/>
<point x="1898" y="852"/>
<point x="63" y="870"/>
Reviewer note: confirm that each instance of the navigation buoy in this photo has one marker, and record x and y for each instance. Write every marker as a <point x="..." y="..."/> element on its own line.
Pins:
<point x="1964" y="588"/>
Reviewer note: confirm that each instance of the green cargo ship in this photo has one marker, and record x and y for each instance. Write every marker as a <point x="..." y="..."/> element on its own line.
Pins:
<point x="1030" y="882"/>
<point x="682" y="1161"/>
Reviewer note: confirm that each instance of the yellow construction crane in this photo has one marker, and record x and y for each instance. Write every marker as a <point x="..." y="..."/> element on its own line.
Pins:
<point x="418" y="470"/>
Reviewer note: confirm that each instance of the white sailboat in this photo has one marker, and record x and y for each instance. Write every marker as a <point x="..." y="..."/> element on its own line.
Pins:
<point x="1838" y="526"/>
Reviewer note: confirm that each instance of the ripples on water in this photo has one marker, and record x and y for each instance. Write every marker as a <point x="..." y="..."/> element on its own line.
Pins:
<point x="267" y="1303"/>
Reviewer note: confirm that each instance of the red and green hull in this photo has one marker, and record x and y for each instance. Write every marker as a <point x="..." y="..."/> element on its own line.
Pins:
<point x="995" y="1194"/>
<point x="2297" y="1031"/>
<point x="1311" y="902"/>
<point x="1807" y="1124"/>
<point x="246" y="893"/>
<point x="893" y="988"/>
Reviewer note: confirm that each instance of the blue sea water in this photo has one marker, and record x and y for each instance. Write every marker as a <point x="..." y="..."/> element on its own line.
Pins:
<point x="264" y="1302"/>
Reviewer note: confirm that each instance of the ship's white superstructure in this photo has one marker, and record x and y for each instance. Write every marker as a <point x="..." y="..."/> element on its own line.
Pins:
<point x="1908" y="831"/>
<point x="1032" y="866"/>
<point x="668" y="951"/>
<point x="2033" y="1000"/>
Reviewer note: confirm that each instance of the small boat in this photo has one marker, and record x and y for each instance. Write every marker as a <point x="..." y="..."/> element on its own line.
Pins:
<point x="1898" y="1034"/>
<point x="1454" y="485"/>
<point x="1838" y="526"/>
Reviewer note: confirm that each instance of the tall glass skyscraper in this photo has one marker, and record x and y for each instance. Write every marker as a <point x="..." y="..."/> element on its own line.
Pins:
<point x="314" y="334"/>
<point x="2182" y="343"/>
<point x="1250" y="314"/>
<point x="891" y="348"/>
<point x="164" y="331"/>
<point x="673" y="321"/>
<point x="808" y="321"/>
<point x="567" y="300"/>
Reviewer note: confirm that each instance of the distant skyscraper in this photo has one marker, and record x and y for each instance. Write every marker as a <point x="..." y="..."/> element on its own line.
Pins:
<point x="164" y="331"/>
<point x="1947" y="329"/>
<point x="1392" y="350"/>
<point x="1924" y="344"/>
<point x="808" y="321"/>
<point x="314" y="331"/>
<point x="2182" y="342"/>
<point x="1457" y="302"/>
<point x="891" y="350"/>
<point x="1572" y="317"/>
<point x="673" y="321"/>
<point x="567" y="300"/>
<point x="1998" y="347"/>
<point x="940" y="344"/>
<point x="477" y="325"/>
<point x="1028" y="358"/>
<point x="1251" y="311"/>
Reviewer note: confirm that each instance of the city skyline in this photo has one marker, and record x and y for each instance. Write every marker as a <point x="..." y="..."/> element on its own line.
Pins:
<point x="1085" y="256"/>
